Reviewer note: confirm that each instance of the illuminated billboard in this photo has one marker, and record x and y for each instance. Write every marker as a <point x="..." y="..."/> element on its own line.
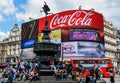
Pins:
<point x="55" y="36"/>
<point x="91" y="49"/>
<point x="73" y="18"/>
<point x="77" y="35"/>
<point x="69" y="49"/>
<point x="82" y="35"/>
<point x="28" y="43"/>
<point x="83" y="49"/>
<point x="71" y="28"/>
<point x="27" y="53"/>
<point x="29" y="30"/>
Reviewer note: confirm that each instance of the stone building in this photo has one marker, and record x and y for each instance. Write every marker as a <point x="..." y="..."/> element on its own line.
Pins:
<point x="10" y="47"/>
<point x="110" y="42"/>
<point x="118" y="48"/>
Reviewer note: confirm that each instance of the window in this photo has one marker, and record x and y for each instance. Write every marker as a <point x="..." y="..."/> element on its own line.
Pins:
<point x="101" y="62"/>
<point x="91" y="61"/>
<point x="107" y="61"/>
<point x="86" y="61"/>
<point x="81" y="61"/>
<point x="76" y="61"/>
<point x="96" y="61"/>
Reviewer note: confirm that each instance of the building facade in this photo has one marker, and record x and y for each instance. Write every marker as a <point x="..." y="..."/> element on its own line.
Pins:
<point x="118" y="48"/>
<point x="10" y="47"/>
<point x="110" y="41"/>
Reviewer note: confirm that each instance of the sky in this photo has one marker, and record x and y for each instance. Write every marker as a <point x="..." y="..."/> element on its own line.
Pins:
<point x="19" y="11"/>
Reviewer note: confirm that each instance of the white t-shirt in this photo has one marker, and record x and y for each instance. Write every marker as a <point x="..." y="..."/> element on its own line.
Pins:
<point x="22" y="65"/>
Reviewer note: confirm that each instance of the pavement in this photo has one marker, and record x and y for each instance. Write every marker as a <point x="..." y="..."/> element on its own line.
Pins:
<point x="117" y="80"/>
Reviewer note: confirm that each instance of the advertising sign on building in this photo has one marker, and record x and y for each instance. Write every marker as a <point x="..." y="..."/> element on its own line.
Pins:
<point x="80" y="33"/>
<point x="55" y="36"/>
<point x="69" y="49"/>
<point x="73" y="18"/>
<point x="91" y="49"/>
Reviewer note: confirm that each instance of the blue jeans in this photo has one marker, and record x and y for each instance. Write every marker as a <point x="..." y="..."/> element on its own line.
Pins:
<point x="58" y="75"/>
<point x="92" y="79"/>
<point x="64" y="74"/>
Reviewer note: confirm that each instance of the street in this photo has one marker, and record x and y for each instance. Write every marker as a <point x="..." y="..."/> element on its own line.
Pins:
<point x="117" y="79"/>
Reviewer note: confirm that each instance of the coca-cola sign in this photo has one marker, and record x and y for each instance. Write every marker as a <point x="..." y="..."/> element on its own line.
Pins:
<point x="73" y="18"/>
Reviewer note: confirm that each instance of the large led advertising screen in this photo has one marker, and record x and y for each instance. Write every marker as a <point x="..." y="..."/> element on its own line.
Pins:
<point x="86" y="35"/>
<point x="91" y="49"/>
<point x="55" y="36"/>
<point x="82" y="35"/>
<point x="63" y="27"/>
<point x="28" y="43"/>
<point x="83" y="49"/>
<point x="73" y="18"/>
<point x="27" y="53"/>
<point x="29" y="30"/>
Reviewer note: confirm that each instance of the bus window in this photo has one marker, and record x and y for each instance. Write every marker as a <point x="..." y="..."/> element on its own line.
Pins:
<point x="91" y="61"/>
<point x="96" y="61"/>
<point x="101" y="62"/>
<point x="81" y="61"/>
<point x="86" y="61"/>
<point x="76" y="62"/>
<point x="107" y="61"/>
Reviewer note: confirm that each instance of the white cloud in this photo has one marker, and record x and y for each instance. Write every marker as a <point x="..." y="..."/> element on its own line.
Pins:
<point x="7" y="7"/>
<point x="110" y="9"/>
<point x="3" y="35"/>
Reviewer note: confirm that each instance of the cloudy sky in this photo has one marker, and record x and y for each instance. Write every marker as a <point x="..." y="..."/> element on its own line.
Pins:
<point x="19" y="11"/>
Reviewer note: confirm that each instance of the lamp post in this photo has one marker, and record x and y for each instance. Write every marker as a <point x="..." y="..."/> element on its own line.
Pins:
<point x="62" y="49"/>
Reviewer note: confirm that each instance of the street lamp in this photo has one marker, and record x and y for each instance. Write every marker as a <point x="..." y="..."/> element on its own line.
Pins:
<point x="62" y="49"/>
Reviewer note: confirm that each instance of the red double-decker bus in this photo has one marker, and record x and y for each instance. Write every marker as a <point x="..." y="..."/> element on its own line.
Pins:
<point x="104" y="63"/>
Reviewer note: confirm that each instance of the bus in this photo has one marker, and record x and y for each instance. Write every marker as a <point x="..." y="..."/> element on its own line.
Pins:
<point x="104" y="63"/>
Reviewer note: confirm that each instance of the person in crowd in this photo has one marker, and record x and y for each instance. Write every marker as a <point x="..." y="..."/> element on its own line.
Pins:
<point x="52" y="66"/>
<point x="31" y="74"/>
<point x="7" y="63"/>
<point x="31" y="64"/>
<point x="64" y="71"/>
<point x="11" y="76"/>
<point x="91" y="70"/>
<point x="39" y="64"/>
<point x="69" y="69"/>
<point x="98" y="73"/>
<point x="22" y="64"/>
<point x="111" y="77"/>
<point x="74" y="74"/>
<point x="58" y="74"/>
<point x="87" y="79"/>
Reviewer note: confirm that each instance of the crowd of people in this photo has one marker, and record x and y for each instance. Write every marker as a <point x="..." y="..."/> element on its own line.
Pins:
<point x="24" y="70"/>
<point x="80" y="73"/>
<point x="27" y="70"/>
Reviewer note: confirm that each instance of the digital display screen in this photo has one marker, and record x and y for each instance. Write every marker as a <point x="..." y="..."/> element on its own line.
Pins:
<point x="91" y="49"/>
<point x="28" y="43"/>
<point x="83" y="49"/>
<point x="79" y="35"/>
<point x="27" y="53"/>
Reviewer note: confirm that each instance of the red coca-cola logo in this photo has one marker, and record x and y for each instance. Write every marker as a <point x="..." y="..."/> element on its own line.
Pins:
<point x="73" y="18"/>
<point x="76" y="19"/>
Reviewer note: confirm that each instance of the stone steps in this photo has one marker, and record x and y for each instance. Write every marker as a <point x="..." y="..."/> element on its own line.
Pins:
<point x="46" y="71"/>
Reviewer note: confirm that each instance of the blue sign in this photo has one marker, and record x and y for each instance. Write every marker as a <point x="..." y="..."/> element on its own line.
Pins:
<point x="28" y="43"/>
